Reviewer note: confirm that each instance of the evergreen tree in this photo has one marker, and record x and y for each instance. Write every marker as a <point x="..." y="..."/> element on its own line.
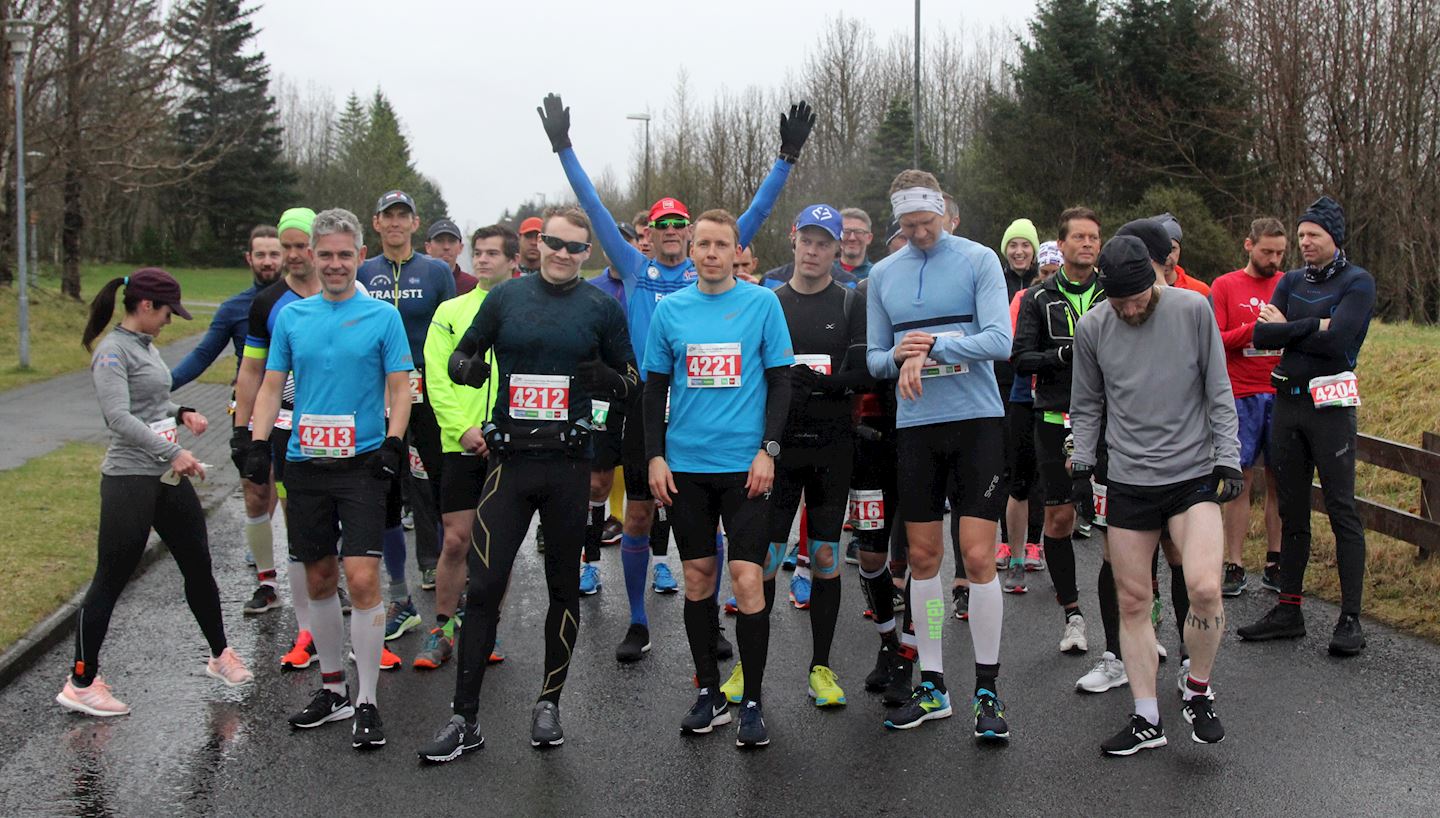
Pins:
<point x="891" y="151"/>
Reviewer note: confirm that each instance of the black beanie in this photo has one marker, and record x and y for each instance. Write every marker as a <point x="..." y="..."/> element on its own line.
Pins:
<point x="1125" y="267"/>
<point x="1327" y="213"/>
<point x="1152" y="234"/>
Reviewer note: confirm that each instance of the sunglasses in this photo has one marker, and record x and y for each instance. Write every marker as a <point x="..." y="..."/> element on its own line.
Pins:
<point x="672" y="223"/>
<point x="574" y="248"/>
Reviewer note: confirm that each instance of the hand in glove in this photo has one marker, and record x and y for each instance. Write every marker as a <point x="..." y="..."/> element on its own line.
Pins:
<point x="239" y="442"/>
<point x="556" y="119"/>
<point x="468" y="371"/>
<point x="598" y="379"/>
<point x="1082" y="493"/>
<point x="384" y="462"/>
<point x="803" y="380"/>
<point x="1230" y="483"/>
<point x="794" y="130"/>
<point x="257" y="462"/>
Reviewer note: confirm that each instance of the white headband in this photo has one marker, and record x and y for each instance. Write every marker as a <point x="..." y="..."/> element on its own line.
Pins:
<point x="917" y="200"/>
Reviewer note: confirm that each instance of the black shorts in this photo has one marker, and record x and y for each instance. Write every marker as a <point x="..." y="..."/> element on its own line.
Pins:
<point x="1020" y="464"/>
<point x="326" y="496"/>
<point x="969" y="452"/>
<point x="1146" y="508"/>
<point x="608" y="442"/>
<point x="1050" y="460"/>
<point x="702" y="501"/>
<point x="460" y="479"/>
<point x="423" y="435"/>
<point x="822" y="474"/>
<point x="632" y="453"/>
<point x="394" y="503"/>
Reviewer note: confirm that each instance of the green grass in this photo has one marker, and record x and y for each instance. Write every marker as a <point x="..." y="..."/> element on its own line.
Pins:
<point x="48" y="548"/>
<point x="202" y="284"/>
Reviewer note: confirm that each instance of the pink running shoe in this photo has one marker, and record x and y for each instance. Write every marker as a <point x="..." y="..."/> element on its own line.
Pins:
<point x="229" y="668"/>
<point x="1002" y="555"/>
<point x="1034" y="556"/>
<point x="94" y="700"/>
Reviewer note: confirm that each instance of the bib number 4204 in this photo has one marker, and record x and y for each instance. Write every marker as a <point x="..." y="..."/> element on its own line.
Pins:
<point x="1335" y="391"/>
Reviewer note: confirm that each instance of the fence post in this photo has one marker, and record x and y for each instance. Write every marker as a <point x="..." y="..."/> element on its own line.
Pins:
<point x="1429" y="489"/>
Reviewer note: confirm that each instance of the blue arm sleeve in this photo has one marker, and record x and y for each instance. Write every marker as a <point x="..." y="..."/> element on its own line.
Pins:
<point x="222" y="329"/>
<point x="879" y="336"/>
<point x="764" y="202"/>
<point x="992" y="314"/>
<point x="624" y="258"/>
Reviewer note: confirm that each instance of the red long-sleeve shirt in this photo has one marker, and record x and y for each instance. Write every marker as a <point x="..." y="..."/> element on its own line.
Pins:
<point x="1238" y="298"/>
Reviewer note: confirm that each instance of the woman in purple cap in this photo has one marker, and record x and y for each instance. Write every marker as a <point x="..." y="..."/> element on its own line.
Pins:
<point x="143" y="484"/>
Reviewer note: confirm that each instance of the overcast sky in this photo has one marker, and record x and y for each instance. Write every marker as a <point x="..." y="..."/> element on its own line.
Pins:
<point x="466" y="76"/>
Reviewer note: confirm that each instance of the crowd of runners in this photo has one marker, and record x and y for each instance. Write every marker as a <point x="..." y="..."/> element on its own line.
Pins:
<point x="1059" y="388"/>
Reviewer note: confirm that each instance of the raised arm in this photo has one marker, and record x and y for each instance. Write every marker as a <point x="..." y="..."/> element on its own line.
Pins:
<point x="794" y="131"/>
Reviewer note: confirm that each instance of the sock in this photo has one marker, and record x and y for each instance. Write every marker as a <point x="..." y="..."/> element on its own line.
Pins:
<point x="752" y="632"/>
<point x="1179" y="598"/>
<point x="635" y="561"/>
<point x="328" y="629"/>
<point x="987" y="611"/>
<point x="1196" y="687"/>
<point x="700" y="631"/>
<point x="824" y="613"/>
<point x="393" y="548"/>
<point x="1109" y="608"/>
<point x="928" y="597"/>
<point x="367" y="637"/>
<point x="262" y="544"/>
<point x="935" y="679"/>
<point x="592" y="531"/>
<point x="879" y="592"/>
<point x="1272" y="558"/>
<point x="985" y="676"/>
<point x="769" y="588"/>
<point x="1149" y="708"/>
<point x="719" y="562"/>
<point x="1060" y="560"/>
<point x="1069" y="612"/>
<point x="802" y="569"/>
<point x="299" y="594"/>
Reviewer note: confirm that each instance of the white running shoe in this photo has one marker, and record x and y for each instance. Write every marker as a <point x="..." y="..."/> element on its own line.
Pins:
<point x="95" y="700"/>
<point x="1073" y="641"/>
<point x="1108" y="673"/>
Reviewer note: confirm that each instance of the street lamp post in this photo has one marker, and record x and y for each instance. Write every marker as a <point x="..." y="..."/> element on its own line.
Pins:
<point x="17" y="32"/>
<point x="915" y="148"/>
<point x="646" y="119"/>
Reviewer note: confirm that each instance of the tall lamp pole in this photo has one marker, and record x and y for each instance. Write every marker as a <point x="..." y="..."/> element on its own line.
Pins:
<point x="915" y="149"/>
<point x="17" y="32"/>
<point x="646" y="119"/>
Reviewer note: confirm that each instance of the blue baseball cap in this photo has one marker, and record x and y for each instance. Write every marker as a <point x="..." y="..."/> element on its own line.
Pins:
<point x="823" y="216"/>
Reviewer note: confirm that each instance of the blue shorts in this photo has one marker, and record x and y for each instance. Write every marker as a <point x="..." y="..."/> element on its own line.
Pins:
<point x="1253" y="414"/>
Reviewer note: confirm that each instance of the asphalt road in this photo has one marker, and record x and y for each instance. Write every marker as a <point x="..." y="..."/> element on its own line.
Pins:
<point x="1307" y="734"/>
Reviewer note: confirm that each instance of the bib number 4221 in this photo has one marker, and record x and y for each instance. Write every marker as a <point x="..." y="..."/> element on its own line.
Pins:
<point x="711" y="366"/>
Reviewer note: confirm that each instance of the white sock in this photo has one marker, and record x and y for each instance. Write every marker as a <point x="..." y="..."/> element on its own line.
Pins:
<point x="987" y="610"/>
<point x="1149" y="708"/>
<point x="329" y="632"/>
<point x="367" y="635"/>
<point x="802" y="570"/>
<point x="300" y="594"/>
<point x="928" y="597"/>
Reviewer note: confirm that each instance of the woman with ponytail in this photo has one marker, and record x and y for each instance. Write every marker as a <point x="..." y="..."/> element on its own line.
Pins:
<point x="144" y="484"/>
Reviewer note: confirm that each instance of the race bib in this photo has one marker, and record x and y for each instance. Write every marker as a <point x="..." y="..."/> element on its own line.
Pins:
<point x="935" y="369"/>
<point x="867" y="509"/>
<point x="712" y="366"/>
<point x="417" y="466"/>
<point x="667" y="406"/>
<point x="1332" y="391"/>
<point x="417" y="386"/>
<point x="285" y="419"/>
<point x="540" y="397"/>
<point x="166" y="429"/>
<point x="1102" y="502"/>
<point x="1252" y="352"/>
<point x="599" y="413"/>
<point x="327" y="435"/>
<point x="819" y="363"/>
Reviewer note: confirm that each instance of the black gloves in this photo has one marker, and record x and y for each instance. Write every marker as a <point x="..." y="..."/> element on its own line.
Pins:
<point x="794" y="130"/>
<point x="468" y="371"/>
<point x="803" y="380"/>
<point x="556" y="119"/>
<point x="239" y="442"/>
<point x="598" y="379"/>
<point x="384" y="462"/>
<point x="256" y="460"/>
<point x="1081" y="492"/>
<point x="1230" y="483"/>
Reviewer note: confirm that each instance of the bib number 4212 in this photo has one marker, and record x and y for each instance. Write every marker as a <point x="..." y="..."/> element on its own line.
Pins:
<point x="540" y="397"/>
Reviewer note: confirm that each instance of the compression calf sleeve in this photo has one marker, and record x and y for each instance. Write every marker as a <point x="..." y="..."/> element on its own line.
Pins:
<point x="1060" y="559"/>
<point x="927" y="596"/>
<point x="701" y="630"/>
<point x="769" y="590"/>
<point x="299" y="594"/>
<point x="1109" y="608"/>
<point x="592" y="531"/>
<point x="879" y="592"/>
<point x="392" y="546"/>
<point x="824" y="613"/>
<point x="328" y="630"/>
<point x="1179" y="599"/>
<point x="987" y="612"/>
<point x="261" y="541"/>
<point x="752" y="632"/>
<point x="635" y="562"/>
<point x="367" y="637"/>
<point x="719" y="563"/>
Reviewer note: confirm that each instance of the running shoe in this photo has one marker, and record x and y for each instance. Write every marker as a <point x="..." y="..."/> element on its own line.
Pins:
<point x="301" y="655"/>
<point x="265" y="599"/>
<point x="635" y="645"/>
<point x="407" y="520"/>
<point x="590" y="579"/>
<point x="367" y="732"/>
<point x="1034" y="556"/>
<point x="1108" y="674"/>
<point x="897" y="601"/>
<point x="427" y="579"/>
<point x="1185" y="674"/>
<point x="1235" y="580"/>
<point x="710" y="711"/>
<point x="1270" y="577"/>
<point x="1002" y="556"/>
<point x="825" y="688"/>
<point x="792" y="559"/>
<point x="438" y="648"/>
<point x="752" y="732"/>
<point x="852" y="553"/>
<point x="326" y="706"/>
<point x="724" y="651"/>
<point x="344" y="595"/>
<point x="1205" y="726"/>
<point x="664" y="580"/>
<point x="229" y="668"/>
<point x="545" y="725"/>
<point x="990" y="721"/>
<point x="1348" y="638"/>
<point x="1073" y="639"/>
<point x="610" y="534"/>
<point x="731" y="606"/>
<point x="496" y="656"/>
<point x="800" y="592"/>
<point x="401" y="617"/>
<point x="876" y="680"/>
<point x="389" y="660"/>
<point x="1138" y="735"/>
<point x="1280" y="622"/>
<point x="960" y="595"/>
<point x="249" y="557"/>
<point x="1015" y="579"/>
<point x="925" y="703"/>
<point x="1083" y="527"/>
<point x="898" y="689"/>
<point x="734" y="687"/>
<point x="93" y="700"/>
<point x="455" y="739"/>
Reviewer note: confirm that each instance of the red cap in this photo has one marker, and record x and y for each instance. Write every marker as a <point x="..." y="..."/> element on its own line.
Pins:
<point x="158" y="286"/>
<point x="668" y="207"/>
<point x="531" y="225"/>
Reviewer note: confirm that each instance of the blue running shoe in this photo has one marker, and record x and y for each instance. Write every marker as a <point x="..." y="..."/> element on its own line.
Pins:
<point x="990" y="717"/>
<point x="590" y="579"/>
<point x="800" y="592"/>
<point x="792" y="559"/>
<point x="664" y="580"/>
<point x="402" y="617"/>
<point x="925" y="703"/>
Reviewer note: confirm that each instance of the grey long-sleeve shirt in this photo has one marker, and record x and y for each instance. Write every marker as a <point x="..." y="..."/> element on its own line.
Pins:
<point x="133" y="385"/>
<point x="1164" y="388"/>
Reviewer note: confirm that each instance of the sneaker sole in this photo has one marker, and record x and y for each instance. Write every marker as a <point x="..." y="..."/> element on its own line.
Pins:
<point x="592" y="591"/>
<point x="750" y="745"/>
<point x="1017" y="590"/>
<point x="835" y="702"/>
<point x="1148" y="744"/>
<point x="629" y="659"/>
<point x="1343" y="651"/>
<point x="368" y="745"/>
<point x="346" y="712"/>
<point x="309" y="660"/>
<point x="1075" y="649"/>
<point x="1270" y="637"/>
<point x="664" y="591"/>
<point x="249" y="611"/>
<point x="991" y="735"/>
<point x="81" y="707"/>
<point x="460" y="750"/>
<point x="556" y="743"/>
<point x="426" y="664"/>
<point x="1079" y="688"/>
<point x="1195" y="737"/>
<point x="410" y="623"/>
<point x="212" y="674"/>
<point x="720" y="720"/>
<point x="944" y="713"/>
<point x="800" y="606"/>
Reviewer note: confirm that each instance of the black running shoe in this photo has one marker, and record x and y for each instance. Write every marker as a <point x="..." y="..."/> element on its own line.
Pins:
<point x="265" y="599"/>
<point x="990" y="721"/>
<point x="960" y="594"/>
<point x="1270" y="578"/>
<point x="897" y="601"/>
<point x="1205" y="726"/>
<point x="325" y="707"/>
<point x="899" y="688"/>
<point x="752" y="732"/>
<point x="724" y="651"/>
<point x="545" y="726"/>
<point x="1138" y="735"/>
<point x="884" y="664"/>
<point x="1235" y="581"/>
<point x="1280" y="622"/>
<point x="635" y="645"/>
<point x="1349" y="638"/>
<point x="454" y="740"/>
<point x="368" y="731"/>
<point x="710" y="711"/>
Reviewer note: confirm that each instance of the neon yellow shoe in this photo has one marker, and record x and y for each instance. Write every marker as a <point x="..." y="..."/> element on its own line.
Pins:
<point x="824" y="688"/>
<point x="734" y="687"/>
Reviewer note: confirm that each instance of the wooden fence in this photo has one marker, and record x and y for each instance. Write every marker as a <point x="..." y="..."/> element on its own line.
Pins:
<point x="1421" y="530"/>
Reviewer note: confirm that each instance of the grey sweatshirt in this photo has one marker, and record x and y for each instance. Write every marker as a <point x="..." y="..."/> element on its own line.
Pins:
<point x="1170" y="414"/>
<point x="133" y="385"/>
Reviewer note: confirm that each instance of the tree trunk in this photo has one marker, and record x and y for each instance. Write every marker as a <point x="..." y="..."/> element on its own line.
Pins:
<point x="74" y="219"/>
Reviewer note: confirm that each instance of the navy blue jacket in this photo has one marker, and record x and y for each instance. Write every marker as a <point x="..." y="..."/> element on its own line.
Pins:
<point x="1340" y="291"/>
<point x="229" y="324"/>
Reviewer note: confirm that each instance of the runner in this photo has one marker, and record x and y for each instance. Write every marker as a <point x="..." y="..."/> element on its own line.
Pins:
<point x="941" y="343"/>
<point x="444" y="241"/>
<point x="1153" y="366"/>
<point x="494" y="256"/>
<point x="1319" y="316"/>
<point x="855" y="243"/>
<point x="529" y="246"/>
<point x="1238" y="298"/>
<point x="1174" y="273"/>
<point x="350" y="357"/>
<point x="144" y="483"/>
<point x="646" y="283"/>
<point x="556" y="343"/>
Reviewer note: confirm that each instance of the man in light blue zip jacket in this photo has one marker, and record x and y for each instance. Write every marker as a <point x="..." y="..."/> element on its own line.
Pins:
<point x="937" y="320"/>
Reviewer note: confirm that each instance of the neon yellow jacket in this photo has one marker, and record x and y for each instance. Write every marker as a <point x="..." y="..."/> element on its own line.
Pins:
<point x="457" y="407"/>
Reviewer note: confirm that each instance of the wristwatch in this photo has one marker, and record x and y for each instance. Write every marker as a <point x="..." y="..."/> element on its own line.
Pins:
<point x="771" y="447"/>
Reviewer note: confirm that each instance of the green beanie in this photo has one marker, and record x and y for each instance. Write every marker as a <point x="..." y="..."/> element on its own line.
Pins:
<point x="300" y="218"/>
<point x="1020" y="229"/>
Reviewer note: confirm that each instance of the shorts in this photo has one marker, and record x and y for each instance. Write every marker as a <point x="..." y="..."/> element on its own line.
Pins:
<point x="822" y="474"/>
<point x="1020" y="449"/>
<point x="1050" y="460"/>
<point x="608" y="443"/>
<point x="971" y="453"/>
<point x="1253" y="414"/>
<point x="632" y="453"/>
<point x="703" y="501"/>
<point x="328" y="495"/>
<point x="1146" y="508"/>
<point x="460" y="480"/>
<point x="394" y="504"/>
<point x="279" y="442"/>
